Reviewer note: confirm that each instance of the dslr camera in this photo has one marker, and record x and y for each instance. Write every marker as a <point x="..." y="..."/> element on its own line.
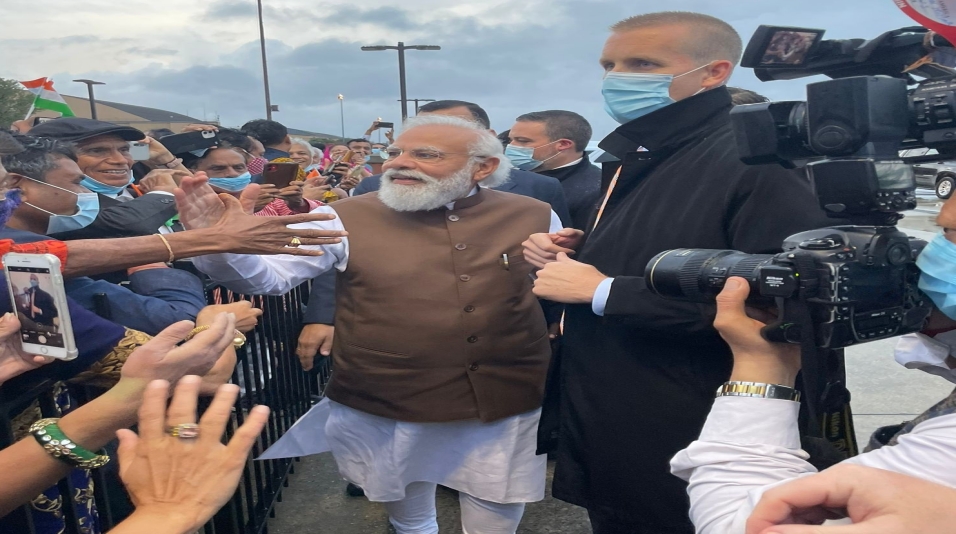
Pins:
<point x="855" y="282"/>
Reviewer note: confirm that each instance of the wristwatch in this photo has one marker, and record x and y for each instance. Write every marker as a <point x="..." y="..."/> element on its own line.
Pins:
<point x="758" y="390"/>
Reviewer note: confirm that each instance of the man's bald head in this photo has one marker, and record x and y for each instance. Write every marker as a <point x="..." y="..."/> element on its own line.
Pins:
<point x="705" y="38"/>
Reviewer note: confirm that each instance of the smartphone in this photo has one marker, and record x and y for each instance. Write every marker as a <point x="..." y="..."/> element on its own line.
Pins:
<point x="40" y="120"/>
<point x="39" y="300"/>
<point x="138" y="151"/>
<point x="389" y="125"/>
<point x="280" y="174"/>
<point x="190" y="141"/>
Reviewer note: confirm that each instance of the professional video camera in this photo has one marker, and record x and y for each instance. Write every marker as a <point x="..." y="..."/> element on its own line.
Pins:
<point x="838" y="286"/>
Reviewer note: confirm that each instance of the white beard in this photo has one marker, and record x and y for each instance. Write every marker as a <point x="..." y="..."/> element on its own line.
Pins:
<point x="432" y="194"/>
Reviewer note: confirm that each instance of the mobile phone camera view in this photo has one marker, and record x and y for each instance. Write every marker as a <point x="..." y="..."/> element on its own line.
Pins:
<point x="36" y="308"/>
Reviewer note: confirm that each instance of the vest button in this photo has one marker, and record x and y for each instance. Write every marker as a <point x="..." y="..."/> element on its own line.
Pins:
<point x="464" y="278"/>
<point x="469" y="308"/>
<point x="454" y="218"/>
<point x="460" y="246"/>
<point x="473" y="339"/>
<point x="474" y="367"/>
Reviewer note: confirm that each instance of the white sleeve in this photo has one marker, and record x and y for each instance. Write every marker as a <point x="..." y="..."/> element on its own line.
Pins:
<point x="747" y="446"/>
<point x="275" y="275"/>
<point x="931" y="355"/>
<point x="928" y="452"/>
<point x="556" y="224"/>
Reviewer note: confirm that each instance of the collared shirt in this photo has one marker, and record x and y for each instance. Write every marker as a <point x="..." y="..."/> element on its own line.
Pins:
<point x="275" y="275"/>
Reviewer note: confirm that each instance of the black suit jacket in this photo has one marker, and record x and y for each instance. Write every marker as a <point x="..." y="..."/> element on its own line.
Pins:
<point x="321" y="307"/>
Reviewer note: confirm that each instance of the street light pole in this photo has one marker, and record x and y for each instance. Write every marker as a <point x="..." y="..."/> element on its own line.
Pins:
<point x="265" y="65"/>
<point x="342" y="114"/>
<point x="89" y="87"/>
<point x="401" y="66"/>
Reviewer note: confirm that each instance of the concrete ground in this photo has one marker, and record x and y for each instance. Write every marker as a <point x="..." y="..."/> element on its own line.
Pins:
<point x="883" y="393"/>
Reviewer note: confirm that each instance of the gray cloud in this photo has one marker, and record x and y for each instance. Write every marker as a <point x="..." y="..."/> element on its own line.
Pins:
<point x="509" y="70"/>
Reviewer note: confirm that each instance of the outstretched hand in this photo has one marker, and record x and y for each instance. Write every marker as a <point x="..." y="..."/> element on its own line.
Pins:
<point x="240" y="232"/>
<point x="178" y="482"/>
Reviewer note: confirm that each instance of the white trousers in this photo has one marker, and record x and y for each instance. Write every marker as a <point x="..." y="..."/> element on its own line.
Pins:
<point x="416" y="513"/>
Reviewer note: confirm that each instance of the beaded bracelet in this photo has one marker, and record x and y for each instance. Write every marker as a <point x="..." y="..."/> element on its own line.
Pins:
<point x="48" y="434"/>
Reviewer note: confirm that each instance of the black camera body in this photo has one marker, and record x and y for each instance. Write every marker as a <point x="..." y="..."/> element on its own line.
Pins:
<point x="858" y="281"/>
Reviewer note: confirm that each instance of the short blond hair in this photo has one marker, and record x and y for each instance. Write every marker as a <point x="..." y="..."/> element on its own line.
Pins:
<point x="712" y="39"/>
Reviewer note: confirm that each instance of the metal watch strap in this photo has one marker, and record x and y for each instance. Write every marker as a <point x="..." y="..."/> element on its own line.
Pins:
<point x="758" y="390"/>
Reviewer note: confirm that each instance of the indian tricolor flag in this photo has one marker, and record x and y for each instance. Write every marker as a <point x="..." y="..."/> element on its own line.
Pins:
<point x="47" y="97"/>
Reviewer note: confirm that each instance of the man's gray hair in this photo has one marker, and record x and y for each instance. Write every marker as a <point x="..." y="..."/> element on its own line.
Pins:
<point x="485" y="146"/>
<point x="711" y="39"/>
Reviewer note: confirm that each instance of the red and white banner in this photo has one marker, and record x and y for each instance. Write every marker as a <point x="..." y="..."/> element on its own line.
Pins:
<point x="937" y="15"/>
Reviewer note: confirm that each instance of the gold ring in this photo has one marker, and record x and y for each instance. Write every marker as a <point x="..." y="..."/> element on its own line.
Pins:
<point x="295" y="242"/>
<point x="184" y="431"/>
<point x="239" y="340"/>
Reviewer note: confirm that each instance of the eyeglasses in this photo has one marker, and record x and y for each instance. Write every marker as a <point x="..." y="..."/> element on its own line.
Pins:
<point x="425" y="155"/>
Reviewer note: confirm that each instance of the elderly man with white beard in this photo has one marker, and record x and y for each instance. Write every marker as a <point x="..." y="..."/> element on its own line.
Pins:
<point x="441" y="348"/>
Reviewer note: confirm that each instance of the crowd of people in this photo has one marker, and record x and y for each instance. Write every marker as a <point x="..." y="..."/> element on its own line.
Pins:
<point x="482" y="298"/>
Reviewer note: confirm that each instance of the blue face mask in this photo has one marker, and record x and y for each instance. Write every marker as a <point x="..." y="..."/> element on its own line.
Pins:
<point x="103" y="189"/>
<point x="233" y="185"/>
<point x="87" y="209"/>
<point x="377" y="152"/>
<point x="522" y="157"/>
<point x="937" y="280"/>
<point x="629" y="96"/>
<point x="34" y="283"/>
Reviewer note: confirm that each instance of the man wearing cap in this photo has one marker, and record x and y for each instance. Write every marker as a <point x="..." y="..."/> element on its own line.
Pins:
<point x="102" y="150"/>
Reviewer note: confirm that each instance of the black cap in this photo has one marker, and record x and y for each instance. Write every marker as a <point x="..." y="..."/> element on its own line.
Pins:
<point x="78" y="129"/>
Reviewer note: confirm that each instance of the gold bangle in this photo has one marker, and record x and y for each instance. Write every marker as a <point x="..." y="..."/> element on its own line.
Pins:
<point x="172" y="257"/>
<point x="238" y="341"/>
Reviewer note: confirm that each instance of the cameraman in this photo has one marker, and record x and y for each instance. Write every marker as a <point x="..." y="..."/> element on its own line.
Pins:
<point x="750" y="444"/>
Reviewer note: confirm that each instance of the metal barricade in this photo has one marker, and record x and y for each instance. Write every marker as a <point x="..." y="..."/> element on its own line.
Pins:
<point x="268" y="372"/>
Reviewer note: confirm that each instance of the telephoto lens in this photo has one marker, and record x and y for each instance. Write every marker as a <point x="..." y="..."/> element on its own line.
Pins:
<point x="698" y="275"/>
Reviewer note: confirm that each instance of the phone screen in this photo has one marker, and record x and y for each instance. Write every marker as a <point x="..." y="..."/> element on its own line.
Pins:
<point x="36" y="307"/>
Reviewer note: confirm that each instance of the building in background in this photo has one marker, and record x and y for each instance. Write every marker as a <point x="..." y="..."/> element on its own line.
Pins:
<point x="139" y="117"/>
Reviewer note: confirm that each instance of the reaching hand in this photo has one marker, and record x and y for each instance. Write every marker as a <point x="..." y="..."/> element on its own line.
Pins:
<point x="314" y="339"/>
<point x="247" y="317"/>
<point x="166" y="180"/>
<point x="878" y="502"/>
<point x="238" y="231"/>
<point x="541" y="249"/>
<point x="199" y="206"/>
<point x="755" y="358"/>
<point x="160" y="358"/>
<point x="13" y="361"/>
<point x="181" y="482"/>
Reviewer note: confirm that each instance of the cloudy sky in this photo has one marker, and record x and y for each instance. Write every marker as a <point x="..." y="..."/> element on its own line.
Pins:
<point x="511" y="56"/>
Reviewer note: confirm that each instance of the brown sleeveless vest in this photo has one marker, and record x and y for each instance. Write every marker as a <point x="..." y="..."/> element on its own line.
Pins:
<point x="431" y="323"/>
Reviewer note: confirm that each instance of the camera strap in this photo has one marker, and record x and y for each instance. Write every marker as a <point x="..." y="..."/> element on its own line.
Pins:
<point x="826" y="398"/>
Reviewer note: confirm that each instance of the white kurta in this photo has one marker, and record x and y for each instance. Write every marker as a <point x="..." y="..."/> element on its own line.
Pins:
<point x="491" y="461"/>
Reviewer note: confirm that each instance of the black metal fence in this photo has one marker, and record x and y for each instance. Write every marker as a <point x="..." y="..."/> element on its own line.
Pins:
<point x="268" y="372"/>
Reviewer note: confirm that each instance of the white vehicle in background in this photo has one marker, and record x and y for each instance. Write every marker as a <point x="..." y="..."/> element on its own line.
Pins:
<point x="931" y="171"/>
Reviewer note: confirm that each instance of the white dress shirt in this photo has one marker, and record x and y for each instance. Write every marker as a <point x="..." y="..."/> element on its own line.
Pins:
<point x="276" y="275"/>
<point x="750" y="445"/>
